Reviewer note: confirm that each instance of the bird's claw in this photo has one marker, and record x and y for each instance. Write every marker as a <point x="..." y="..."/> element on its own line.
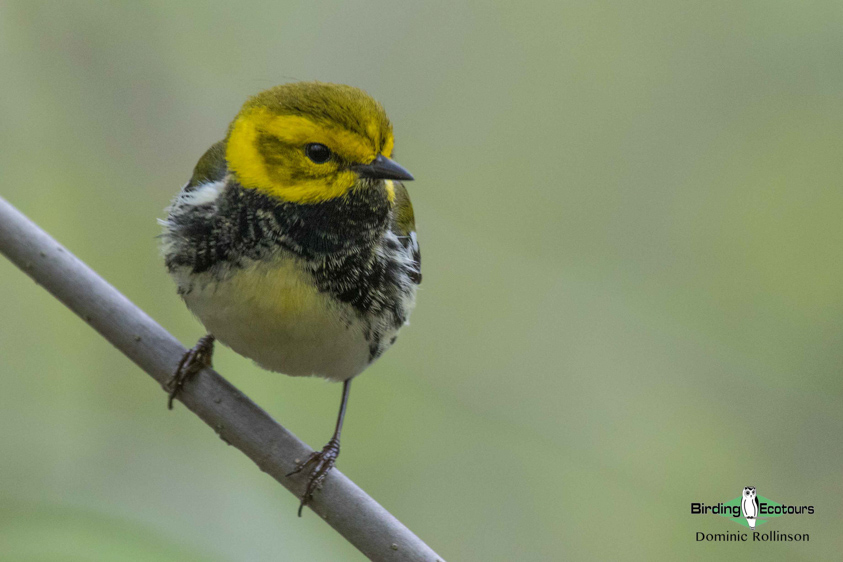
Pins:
<point x="196" y="359"/>
<point x="325" y="460"/>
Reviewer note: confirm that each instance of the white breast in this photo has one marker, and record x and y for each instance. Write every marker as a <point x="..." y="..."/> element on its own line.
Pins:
<point x="749" y="507"/>
<point x="271" y="313"/>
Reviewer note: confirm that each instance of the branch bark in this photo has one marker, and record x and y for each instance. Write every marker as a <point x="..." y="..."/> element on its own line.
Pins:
<point x="237" y="420"/>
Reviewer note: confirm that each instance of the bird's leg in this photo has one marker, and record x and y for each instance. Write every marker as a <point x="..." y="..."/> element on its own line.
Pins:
<point x="191" y="363"/>
<point x="324" y="460"/>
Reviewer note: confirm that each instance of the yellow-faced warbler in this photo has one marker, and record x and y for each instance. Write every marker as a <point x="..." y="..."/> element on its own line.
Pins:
<point x="294" y="242"/>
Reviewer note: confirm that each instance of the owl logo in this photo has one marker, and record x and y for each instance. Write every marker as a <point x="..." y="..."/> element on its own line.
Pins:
<point x="749" y="505"/>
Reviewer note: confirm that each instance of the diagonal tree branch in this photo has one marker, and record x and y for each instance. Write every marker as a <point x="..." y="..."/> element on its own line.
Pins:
<point x="237" y="420"/>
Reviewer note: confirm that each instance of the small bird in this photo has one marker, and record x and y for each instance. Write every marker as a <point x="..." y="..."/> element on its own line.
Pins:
<point x="294" y="242"/>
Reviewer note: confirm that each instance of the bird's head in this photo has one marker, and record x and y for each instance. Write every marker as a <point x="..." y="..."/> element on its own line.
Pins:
<point x="311" y="142"/>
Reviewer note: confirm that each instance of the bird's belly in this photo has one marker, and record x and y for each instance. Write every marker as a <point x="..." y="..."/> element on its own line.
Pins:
<point x="272" y="314"/>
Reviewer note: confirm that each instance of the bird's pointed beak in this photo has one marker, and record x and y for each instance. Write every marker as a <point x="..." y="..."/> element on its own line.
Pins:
<point x="382" y="168"/>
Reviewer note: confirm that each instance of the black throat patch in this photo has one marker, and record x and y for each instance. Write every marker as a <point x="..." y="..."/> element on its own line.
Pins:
<point x="243" y="223"/>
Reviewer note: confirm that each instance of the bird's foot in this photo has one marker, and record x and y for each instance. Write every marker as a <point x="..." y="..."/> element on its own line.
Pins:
<point x="324" y="461"/>
<point x="191" y="363"/>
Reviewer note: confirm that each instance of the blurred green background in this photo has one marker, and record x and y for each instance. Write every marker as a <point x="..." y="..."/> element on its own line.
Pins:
<point x="630" y="216"/>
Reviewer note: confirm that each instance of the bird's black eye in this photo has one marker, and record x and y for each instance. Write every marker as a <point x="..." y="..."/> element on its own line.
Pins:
<point x="319" y="153"/>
